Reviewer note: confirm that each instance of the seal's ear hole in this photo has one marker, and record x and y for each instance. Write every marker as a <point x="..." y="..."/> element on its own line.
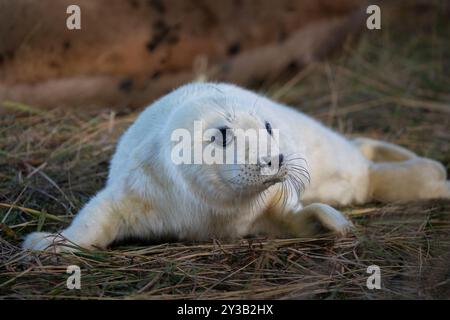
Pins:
<point x="268" y="127"/>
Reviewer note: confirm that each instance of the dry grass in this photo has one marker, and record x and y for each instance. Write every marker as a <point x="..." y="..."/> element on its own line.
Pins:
<point x="409" y="242"/>
<point x="385" y="86"/>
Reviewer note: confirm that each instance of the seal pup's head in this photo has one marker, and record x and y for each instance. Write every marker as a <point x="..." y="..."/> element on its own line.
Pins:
<point x="218" y="149"/>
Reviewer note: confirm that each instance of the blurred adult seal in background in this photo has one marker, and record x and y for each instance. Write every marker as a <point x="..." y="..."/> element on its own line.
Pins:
<point x="128" y="52"/>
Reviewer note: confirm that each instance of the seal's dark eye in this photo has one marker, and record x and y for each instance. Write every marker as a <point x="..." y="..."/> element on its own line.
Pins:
<point x="223" y="132"/>
<point x="269" y="128"/>
<point x="224" y="136"/>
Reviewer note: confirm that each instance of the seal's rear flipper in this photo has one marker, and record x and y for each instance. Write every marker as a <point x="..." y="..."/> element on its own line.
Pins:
<point x="417" y="178"/>
<point x="380" y="151"/>
<point x="398" y="174"/>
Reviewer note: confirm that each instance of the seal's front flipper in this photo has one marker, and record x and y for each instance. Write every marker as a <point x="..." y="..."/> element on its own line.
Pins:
<point x="311" y="221"/>
<point x="318" y="218"/>
<point x="96" y="226"/>
<point x="43" y="241"/>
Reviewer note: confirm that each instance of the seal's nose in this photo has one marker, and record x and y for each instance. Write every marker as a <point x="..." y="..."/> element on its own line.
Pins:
<point x="268" y="162"/>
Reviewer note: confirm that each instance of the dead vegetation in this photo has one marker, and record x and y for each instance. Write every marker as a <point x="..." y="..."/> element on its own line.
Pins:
<point x="386" y="85"/>
<point x="409" y="242"/>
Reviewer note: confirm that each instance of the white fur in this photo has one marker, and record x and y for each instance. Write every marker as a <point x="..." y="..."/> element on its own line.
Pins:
<point x="147" y="196"/>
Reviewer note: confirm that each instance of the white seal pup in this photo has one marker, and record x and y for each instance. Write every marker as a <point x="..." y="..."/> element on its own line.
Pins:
<point x="148" y="195"/>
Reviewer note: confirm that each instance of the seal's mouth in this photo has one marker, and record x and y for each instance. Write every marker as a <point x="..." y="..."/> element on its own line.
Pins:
<point x="274" y="180"/>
